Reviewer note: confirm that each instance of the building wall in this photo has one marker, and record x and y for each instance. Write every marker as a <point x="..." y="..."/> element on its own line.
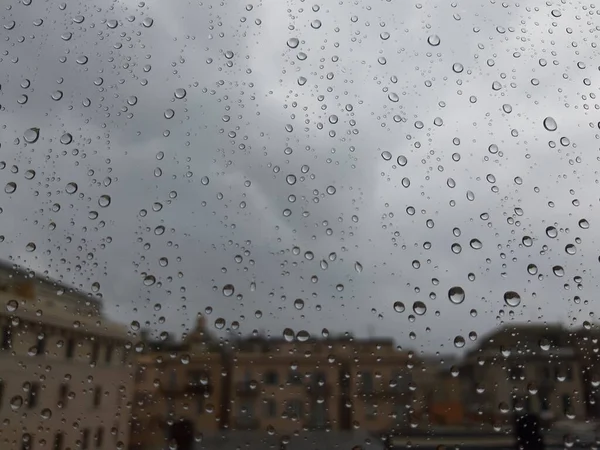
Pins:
<point x="45" y="391"/>
<point x="168" y="389"/>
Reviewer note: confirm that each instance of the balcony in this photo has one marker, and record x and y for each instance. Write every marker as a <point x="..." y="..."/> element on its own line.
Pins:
<point x="189" y="389"/>
<point x="245" y="423"/>
<point x="317" y="389"/>
<point x="387" y="392"/>
<point x="244" y="389"/>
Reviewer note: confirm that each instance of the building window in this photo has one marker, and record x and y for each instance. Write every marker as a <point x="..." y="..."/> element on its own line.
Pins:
<point x="108" y="354"/>
<point x="85" y="439"/>
<point x="32" y="399"/>
<point x="271" y="378"/>
<point x="320" y="377"/>
<point x="295" y="408"/>
<point x="124" y="356"/>
<point x="63" y="392"/>
<point x="70" y="352"/>
<point x="6" y="337"/>
<point x="40" y="346"/>
<point x="294" y="378"/>
<point x="370" y="411"/>
<point x="1" y="392"/>
<point x="97" y="396"/>
<point x="517" y="372"/>
<point x="95" y="351"/>
<point x="99" y="437"/>
<point x="566" y="400"/>
<point x="26" y="442"/>
<point x="198" y="378"/>
<point x="58" y="441"/>
<point x="367" y="382"/>
<point x="270" y="408"/>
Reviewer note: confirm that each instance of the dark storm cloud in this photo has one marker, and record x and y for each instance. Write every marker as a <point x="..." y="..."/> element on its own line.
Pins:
<point x="366" y="93"/>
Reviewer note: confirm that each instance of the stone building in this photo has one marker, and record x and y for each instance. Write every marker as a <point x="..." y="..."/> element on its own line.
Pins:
<point x="179" y="391"/>
<point x="524" y="368"/>
<point x="335" y="384"/>
<point x="66" y="379"/>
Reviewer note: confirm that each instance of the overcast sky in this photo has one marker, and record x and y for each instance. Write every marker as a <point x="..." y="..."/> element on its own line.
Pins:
<point x="260" y="134"/>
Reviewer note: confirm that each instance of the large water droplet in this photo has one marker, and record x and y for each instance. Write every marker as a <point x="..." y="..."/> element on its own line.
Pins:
<point x="299" y="304"/>
<point x="532" y="269"/>
<point x="459" y="342"/>
<point x="399" y="307"/>
<point x="149" y="280"/>
<point x="512" y="299"/>
<point x="456" y="295"/>
<point x="104" y="200"/>
<point x="558" y="271"/>
<point x="551" y="232"/>
<point x="358" y="267"/>
<point x="288" y="334"/>
<point x="12" y="305"/>
<point x="71" y="188"/>
<point x="228" y="290"/>
<point x="10" y="187"/>
<point x="31" y="135"/>
<point x="434" y="40"/>
<point x="293" y="42"/>
<point x="419" y="308"/>
<point x="550" y="124"/>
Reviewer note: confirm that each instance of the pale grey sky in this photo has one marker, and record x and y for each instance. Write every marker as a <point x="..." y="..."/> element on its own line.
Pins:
<point x="288" y="136"/>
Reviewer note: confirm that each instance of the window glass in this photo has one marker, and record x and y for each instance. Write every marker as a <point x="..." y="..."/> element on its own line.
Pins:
<point x="270" y="224"/>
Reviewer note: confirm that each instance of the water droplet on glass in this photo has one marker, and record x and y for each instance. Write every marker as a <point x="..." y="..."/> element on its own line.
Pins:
<point x="570" y="249"/>
<point x="81" y="60"/>
<point x="30" y="247"/>
<point x="527" y="241"/>
<point x="149" y="280"/>
<point x="434" y="40"/>
<point x="459" y="342"/>
<point x="228" y="290"/>
<point x="104" y="201"/>
<point x="393" y="97"/>
<point x="66" y="139"/>
<point x="358" y="267"/>
<point x="10" y="187"/>
<point x="475" y="244"/>
<point x="419" y="308"/>
<point x="148" y="22"/>
<point x="16" y="402"/>
<point x="399" y="307"/>
<point x="31" y="135"/>
<point x="551" y="232"/>
<point x="288" y="334"/>
<point x="532" y="269"/>
<point x="46" y="413"/>
<point x="180" y="93"/>
<point x="584" y="224"/>
<point x="550" y="124"/>
<point x="71" y="188"/>
<point x="457" y="67"/>
<point x="558" y="271"/>
<point x="12" y="305"/>
<point x="456" y="295"/>
<point x="512" y="299"/>
<point x="293" y="42"/>
<point x="299" y="304"/>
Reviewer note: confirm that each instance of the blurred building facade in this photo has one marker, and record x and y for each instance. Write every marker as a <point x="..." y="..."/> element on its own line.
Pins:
<point x="196" y="387"/>
<point x="180" y="389"/>
<point x="284" y="386"/>
<point x="66" y="379"/>
<point x="533" y="368"/>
